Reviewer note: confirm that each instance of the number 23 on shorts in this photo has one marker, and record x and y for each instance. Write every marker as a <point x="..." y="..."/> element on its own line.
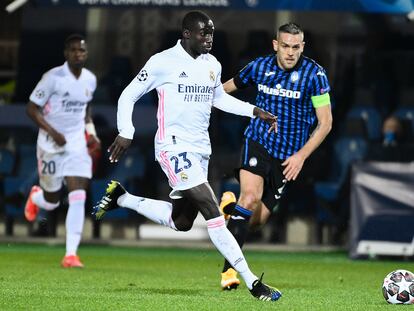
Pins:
<point x="180" y="162"/>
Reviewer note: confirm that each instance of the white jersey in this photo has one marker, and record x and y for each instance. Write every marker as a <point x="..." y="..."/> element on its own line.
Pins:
<point x="187" y="89"/>
<point x="64" y="100"/>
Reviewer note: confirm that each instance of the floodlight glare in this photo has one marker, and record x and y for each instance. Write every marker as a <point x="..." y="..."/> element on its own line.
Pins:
<point x="15" y="5"/>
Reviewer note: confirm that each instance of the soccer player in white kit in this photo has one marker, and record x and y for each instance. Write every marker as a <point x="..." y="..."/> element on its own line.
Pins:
<point x="187" y="80"/>
<point x="59" y="106"/>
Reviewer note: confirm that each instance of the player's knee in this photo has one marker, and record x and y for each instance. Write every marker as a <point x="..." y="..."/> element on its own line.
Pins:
<point x="183" y="222"/>
<point x="183" y="225"/>
<point x="209" y="210"/>
<point x="249" y="200"/>
<point x="51" y="198"/>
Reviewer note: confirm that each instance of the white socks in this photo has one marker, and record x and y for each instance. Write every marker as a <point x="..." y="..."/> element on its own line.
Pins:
<point x="40" y="201"/>
<point x="160" y="212"/>
<point x="75" y="216"/>
<point x="156" y="210"/>
<point x="228" y="247"/>
<point x="74" y="220"/>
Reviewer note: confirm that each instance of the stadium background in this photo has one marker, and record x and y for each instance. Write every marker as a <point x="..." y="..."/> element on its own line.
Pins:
<point x="365" y="46"/>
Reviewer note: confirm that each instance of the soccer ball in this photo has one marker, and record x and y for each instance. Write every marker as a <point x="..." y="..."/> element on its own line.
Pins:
<point x="398" y="287"/>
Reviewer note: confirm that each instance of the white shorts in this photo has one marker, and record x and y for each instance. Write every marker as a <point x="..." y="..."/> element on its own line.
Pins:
<point x="54" y="167"/>
<point x="184" y="170"/>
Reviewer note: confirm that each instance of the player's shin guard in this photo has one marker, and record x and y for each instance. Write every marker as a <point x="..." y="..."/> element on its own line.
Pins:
<point x="228" y="247"/>
<point x="238" y="225"/>
<point x="74" y="220"/>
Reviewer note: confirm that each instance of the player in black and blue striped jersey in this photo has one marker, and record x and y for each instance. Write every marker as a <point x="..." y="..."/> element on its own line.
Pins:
<point x="294" y="88"/>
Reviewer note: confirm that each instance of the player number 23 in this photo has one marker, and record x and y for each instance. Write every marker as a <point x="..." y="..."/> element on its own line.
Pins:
<point x="178" y="162"/>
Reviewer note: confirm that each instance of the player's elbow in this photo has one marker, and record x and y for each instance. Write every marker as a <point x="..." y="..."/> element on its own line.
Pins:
<point x="31" y="110"/>
<point x="329" y="123"/>
<point x="326" y="124"/>
<point x="226" y="88"/>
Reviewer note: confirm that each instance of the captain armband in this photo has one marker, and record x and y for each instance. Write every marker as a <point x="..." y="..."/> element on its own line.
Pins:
<point x="321" y="100"/>
<point x="90" y="129"/>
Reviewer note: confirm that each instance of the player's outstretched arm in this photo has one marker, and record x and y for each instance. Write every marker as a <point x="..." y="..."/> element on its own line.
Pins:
<point x="267" y="117"/>
<point x="229" y="86"/>
<point x="118" y="148"/>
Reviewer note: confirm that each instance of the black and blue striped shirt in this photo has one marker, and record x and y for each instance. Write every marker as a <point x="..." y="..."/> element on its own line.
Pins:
<point x="287" y="94"/>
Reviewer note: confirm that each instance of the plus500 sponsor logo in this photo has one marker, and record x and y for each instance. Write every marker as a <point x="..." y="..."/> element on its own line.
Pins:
<point x="278" y="91"/>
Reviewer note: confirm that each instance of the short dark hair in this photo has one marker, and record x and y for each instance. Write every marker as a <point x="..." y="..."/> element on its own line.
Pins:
<point x="191" y="19"/>
<point x="71" y="38"/>
<point x="292" y="28"/>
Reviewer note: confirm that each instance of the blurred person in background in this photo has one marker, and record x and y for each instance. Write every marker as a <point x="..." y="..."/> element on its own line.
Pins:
<point x="294" y="88"/>
<point x="392" y="131"/>
<point x="59" y="106"/>
<point x="187" y="80"/>
<point x="396" y="144"/>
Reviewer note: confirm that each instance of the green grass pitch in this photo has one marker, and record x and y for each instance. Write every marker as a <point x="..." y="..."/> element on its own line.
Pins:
<point x="120" y="278"/>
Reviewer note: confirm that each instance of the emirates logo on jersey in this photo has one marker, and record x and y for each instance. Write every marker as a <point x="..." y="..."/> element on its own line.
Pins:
<point x="212" y="76"/>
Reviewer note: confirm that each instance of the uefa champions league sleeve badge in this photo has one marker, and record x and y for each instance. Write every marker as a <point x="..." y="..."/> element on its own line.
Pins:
<point x="142" y="75"/>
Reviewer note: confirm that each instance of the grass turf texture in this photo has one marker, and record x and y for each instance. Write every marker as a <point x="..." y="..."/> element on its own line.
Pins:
<point x="182" y="279"/>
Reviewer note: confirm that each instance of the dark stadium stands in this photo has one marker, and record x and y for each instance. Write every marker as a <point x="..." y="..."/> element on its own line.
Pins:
<point x="332" y="194"/>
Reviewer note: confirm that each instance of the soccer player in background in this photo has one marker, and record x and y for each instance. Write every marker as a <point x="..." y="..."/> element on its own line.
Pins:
<point x="187" y="80"/>
<point x="59" y="106"/>
<point x="294" y="88"/>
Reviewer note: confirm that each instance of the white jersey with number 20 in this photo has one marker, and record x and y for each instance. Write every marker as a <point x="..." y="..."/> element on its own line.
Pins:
<point x="64" y="99"/>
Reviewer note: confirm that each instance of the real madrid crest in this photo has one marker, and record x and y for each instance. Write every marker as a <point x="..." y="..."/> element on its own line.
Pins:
<point x="294" y="76"/>
<point x="212" y="77"/>
<point x="183" y="176"/>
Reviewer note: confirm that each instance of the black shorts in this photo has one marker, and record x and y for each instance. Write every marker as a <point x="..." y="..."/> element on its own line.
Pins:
<point x="255" y="159"/>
